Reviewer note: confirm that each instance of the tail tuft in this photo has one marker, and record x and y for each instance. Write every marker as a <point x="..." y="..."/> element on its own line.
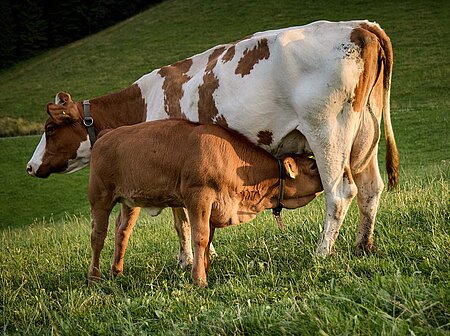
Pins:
<point x="392" y="164"/>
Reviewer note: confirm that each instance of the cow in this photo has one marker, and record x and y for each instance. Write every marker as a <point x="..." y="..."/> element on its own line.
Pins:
<point x="322" y="88"/>
<point x="219" y="176"/>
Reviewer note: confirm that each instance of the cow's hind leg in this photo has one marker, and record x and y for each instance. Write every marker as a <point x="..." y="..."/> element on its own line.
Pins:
<point x="124" y="226"/>
<point x="370" y="186"/>
<point x="183" y="228"/>
<point x="332" y="153"/>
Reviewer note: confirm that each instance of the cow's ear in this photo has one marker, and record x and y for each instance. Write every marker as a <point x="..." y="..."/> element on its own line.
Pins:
<point x="290" y="166"/>
<point x="62" y="98"/>
<point x="58" y="113"/>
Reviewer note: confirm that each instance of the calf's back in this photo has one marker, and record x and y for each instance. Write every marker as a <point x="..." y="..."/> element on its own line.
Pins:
<point x="153" y="163"/>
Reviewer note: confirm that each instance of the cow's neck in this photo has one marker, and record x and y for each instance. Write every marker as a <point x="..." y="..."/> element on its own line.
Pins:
<point x="125" y="107"/>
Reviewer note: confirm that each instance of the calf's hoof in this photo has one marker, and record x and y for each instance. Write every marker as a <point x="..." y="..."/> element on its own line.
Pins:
<point x="116" y="271"/>
<point x="93" y="275"/>
<point x="200" y="282"/>
<point x="185" y="259"/>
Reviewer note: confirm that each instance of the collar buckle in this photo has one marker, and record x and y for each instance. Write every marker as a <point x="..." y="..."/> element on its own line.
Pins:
<point x="88" y="121"/>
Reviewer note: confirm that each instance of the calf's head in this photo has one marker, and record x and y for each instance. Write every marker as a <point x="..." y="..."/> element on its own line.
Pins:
<point x="65" y="145"/>
<point x="303" y="182"/>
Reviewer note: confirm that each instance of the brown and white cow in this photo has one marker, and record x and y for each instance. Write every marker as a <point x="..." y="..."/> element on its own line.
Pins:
<point x="220" y="177"/>
<point x="322" y="87"/>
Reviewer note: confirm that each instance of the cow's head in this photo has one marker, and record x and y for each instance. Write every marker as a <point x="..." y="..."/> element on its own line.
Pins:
<point x="65" y="145"/>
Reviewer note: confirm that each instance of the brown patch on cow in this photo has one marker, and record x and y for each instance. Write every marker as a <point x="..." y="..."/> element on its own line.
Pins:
<point x="370" y="49"/>
<point x="207" y="110"/>
<point x="386" y="58"/>
<point x="265" y="138"/>
<point x="229" y="54"/>
<point x="174" y="77"/>
<point x="388" y="55"/>
<point x="252" y="57"/>
<point x="212" y="60"/>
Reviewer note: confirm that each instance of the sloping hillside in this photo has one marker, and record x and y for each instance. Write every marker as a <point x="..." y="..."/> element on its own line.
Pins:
<point x="173" y="30"/>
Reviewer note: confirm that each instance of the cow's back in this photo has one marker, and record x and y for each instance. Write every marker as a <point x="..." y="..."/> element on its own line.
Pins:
<point x="259" y="84"/>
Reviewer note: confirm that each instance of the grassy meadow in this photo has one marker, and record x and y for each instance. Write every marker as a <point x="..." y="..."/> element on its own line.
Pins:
<point x="263" y="281"/>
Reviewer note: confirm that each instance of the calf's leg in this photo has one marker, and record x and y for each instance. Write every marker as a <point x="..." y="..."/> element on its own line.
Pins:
<point x="99" y="230"/>
<point x="199" y="214"/>
<point x="124" y="226"/>
<point x="208" y="248"/>
<point x="183" y="228"/>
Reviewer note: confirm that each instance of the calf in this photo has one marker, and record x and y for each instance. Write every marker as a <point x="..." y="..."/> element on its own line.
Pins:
<point x="219" y="176"/>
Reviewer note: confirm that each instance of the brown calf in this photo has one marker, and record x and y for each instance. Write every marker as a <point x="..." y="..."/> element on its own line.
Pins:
<point x="219" y="176"/>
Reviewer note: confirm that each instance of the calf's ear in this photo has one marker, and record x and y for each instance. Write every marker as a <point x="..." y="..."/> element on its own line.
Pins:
<point x="63" y="98"/>
<point x="291" y="167"/>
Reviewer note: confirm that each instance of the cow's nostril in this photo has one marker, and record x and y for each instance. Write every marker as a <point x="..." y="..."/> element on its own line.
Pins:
<point x="29" y="169"/>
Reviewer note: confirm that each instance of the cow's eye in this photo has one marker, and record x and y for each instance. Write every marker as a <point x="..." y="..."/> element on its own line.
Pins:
<point x="49" y="130"/>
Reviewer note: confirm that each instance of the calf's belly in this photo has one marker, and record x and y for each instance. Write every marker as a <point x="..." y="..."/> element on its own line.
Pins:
<point x="152" y="208"/>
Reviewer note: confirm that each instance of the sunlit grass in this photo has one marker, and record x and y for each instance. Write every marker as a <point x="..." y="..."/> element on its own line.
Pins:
<point x="263" y="280"/>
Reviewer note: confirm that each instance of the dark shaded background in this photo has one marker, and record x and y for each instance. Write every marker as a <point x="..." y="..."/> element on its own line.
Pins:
<point x="29" y="27"/>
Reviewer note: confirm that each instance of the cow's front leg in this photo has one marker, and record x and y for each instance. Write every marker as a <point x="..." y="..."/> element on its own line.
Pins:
<point x="370" y="186"/>
<point x="183" y="228"/>
<point x="124" y="226"/>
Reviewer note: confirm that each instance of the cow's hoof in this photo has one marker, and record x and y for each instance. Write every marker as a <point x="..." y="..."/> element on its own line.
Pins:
<point x="323" y="251"/>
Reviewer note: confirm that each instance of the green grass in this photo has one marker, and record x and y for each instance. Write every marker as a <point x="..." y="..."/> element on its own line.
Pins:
<point x="264" y="281"/>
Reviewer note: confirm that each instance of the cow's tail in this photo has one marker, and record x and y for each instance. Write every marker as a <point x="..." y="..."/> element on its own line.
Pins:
<point x="392" y="154"/>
